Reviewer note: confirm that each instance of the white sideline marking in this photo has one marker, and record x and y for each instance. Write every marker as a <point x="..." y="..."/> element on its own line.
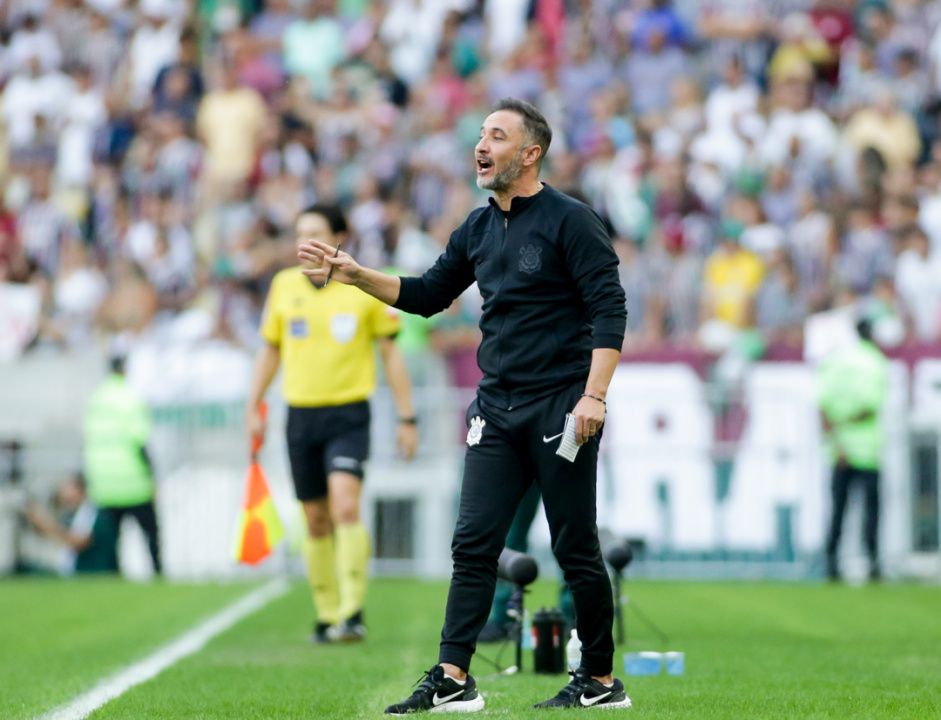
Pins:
<point x="158" y="661"/>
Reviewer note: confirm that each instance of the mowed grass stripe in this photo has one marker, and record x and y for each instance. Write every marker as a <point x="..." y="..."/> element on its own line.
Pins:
<point x="753" y="651"/>
<point x="266" y="668"/>
<point x="59" y="637"/>
<point x="192" y="641"/>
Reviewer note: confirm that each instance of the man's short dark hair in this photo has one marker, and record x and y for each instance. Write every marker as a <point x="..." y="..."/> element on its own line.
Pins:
<point x="117" y="363"/>
<point x="332" y="213"/>
<point x="535" y="127"/>
<point x="908" y="55"/>
<point x="864" y="329"/>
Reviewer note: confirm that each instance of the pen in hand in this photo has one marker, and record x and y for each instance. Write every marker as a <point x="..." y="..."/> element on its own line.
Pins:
<point x="330" y="271"/>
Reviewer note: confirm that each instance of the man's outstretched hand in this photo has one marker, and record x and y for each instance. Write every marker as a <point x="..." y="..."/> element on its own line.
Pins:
<point x="318" y="258"/>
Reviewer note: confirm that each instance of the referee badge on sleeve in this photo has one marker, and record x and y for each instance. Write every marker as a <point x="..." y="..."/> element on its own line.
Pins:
<point x="476" y="430"/>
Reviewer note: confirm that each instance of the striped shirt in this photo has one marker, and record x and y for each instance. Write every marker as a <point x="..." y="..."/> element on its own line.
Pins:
<point x="44" y="229"/>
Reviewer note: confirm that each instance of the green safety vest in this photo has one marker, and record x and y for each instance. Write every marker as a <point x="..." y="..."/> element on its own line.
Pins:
<point x="852" y="381"/>
<point x="117" y="425"/>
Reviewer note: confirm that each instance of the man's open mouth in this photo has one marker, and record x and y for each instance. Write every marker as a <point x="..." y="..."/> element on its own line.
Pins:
<point x="483" y="165"/>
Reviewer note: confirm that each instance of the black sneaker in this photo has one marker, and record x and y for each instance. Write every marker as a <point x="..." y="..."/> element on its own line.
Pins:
<point x="321" y="634"/>
<point x="440" y="693"/>
<point x="350" y="630"/>
<point x="585" y="692"/>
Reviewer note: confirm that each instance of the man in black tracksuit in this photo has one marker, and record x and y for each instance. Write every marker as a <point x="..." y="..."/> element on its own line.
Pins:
<point x="552" y="324"/>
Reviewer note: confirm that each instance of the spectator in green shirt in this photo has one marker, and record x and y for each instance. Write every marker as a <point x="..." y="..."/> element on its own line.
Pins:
<point x="314" y="46"/>
<point x="852" y="387"/>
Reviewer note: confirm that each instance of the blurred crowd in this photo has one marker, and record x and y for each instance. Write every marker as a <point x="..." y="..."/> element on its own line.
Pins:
<point x="757" y="161"/>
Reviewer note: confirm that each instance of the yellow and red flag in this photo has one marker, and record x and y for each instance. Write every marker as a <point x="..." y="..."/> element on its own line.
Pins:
<point x="259" y="528"/>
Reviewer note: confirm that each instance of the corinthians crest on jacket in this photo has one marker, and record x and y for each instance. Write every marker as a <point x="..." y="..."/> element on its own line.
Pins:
<point x="530" y="259"/>
<point x="476" y="430"/>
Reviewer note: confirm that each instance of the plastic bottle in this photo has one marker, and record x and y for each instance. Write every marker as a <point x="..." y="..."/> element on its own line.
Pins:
<point x="526" y="639"/>
<point x="573" y="651"/>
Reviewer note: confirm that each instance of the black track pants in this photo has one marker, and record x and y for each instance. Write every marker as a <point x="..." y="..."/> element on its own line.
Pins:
<point x="844" y="477"/>
<point x="146" y="517"/>
<point x="514" y="448"/>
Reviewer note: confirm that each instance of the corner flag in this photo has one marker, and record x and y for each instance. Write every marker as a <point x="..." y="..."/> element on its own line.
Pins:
<point x="259" y="528"/>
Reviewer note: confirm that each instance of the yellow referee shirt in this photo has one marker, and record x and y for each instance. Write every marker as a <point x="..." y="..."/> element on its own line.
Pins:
<point x="325" y="337"/>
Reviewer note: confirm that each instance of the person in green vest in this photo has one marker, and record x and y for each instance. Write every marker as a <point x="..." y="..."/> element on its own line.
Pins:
<point x="118" y="469"/>
<point x="852" y="387"/>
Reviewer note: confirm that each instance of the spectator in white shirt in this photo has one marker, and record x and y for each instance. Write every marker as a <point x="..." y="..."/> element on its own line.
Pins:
<point x="84" y="113"/>
<point x="30" y="95"/>
<point x="412" y="29"/>
<point x="735" y="97"/>
<point x="155" y="45"/>
<point x="506" y="25"/>
<point x="78" y="291"/>
<point x="761" y="237"/>
<point x="34" y="40"/>
<point x="918" y="283"/>
<point x="799" y="135"/>
<point x="733" y="124"/>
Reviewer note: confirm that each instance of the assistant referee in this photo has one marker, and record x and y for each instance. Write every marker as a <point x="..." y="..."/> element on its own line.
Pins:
<point x="324" y="337"/>
<point x="552" y="327"/>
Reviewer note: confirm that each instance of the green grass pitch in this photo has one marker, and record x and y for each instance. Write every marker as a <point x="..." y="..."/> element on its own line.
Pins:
<point x="752" y="651"/>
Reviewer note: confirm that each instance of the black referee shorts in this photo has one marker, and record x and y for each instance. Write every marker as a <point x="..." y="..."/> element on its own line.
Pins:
<point x="322" y="440"/>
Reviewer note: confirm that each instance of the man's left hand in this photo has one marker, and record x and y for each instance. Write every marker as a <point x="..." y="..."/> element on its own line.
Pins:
<point x="589" y="417"/>
<point x="407" y="440"/>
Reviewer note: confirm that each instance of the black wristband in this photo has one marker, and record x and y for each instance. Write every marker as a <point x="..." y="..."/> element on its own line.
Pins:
<point x="409" y="420"/>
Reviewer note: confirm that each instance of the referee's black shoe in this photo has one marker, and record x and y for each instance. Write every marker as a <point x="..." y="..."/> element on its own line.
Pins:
<point x="585" y="692"/>
<point x="321" y="634"/>
<point x="440" y="693"/>
<point x="351" y="630"/>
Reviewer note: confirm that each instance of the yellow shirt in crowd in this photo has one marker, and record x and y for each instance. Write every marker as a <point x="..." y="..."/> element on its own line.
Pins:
<point x="230" y="123"/>
<point x="325" y="337"/>
<point x="896" y="137"/>
<point x="731" y="280"/>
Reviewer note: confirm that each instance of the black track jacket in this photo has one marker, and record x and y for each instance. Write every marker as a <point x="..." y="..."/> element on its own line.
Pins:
<point x="549" y="280"/>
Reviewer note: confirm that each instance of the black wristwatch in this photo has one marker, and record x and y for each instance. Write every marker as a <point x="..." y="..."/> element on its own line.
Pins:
<point x="409" y="420"/>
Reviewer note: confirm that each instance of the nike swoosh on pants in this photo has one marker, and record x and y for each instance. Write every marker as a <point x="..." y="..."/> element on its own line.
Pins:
<point x="550" y="439"/>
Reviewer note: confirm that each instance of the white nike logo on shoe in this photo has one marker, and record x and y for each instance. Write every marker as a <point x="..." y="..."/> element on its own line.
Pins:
<point x="586" y="702"/>
<point x="437" y="700"/>
<point x="554" y="437"/>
